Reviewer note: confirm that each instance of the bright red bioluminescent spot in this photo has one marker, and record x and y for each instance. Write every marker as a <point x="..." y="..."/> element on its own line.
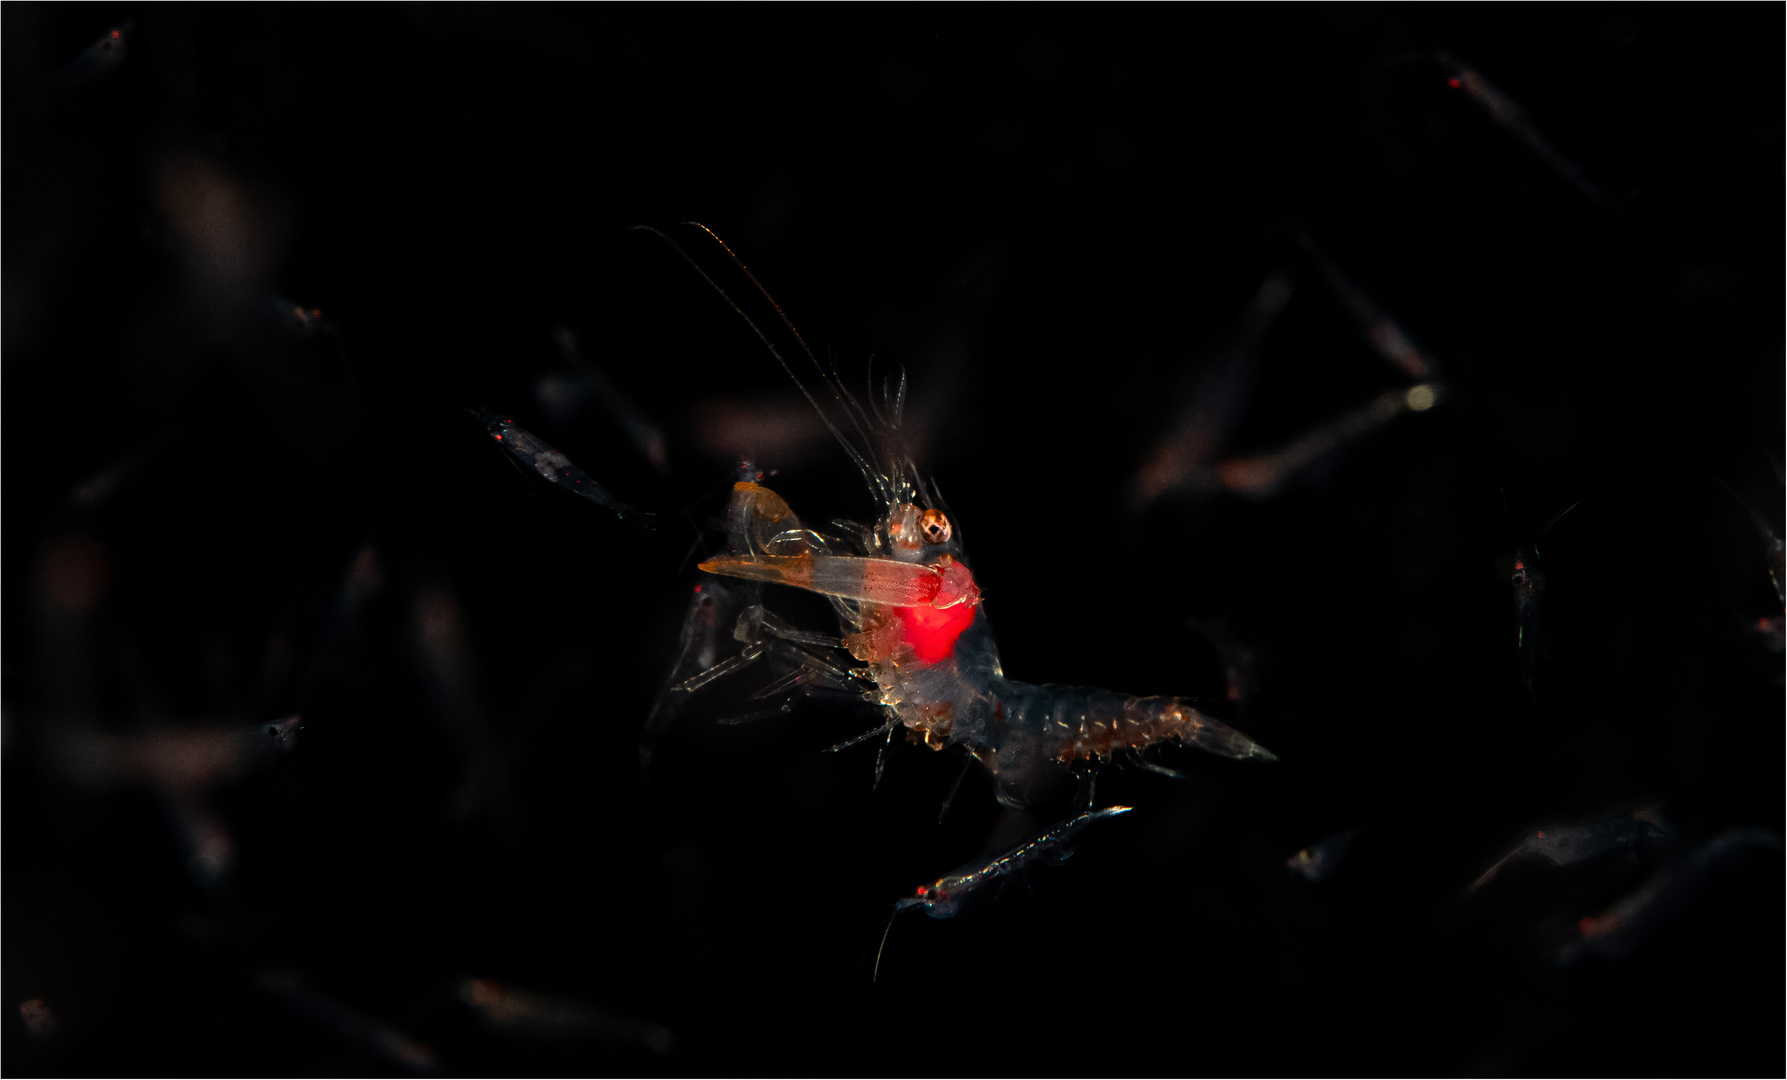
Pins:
<point x="932" y="632"/>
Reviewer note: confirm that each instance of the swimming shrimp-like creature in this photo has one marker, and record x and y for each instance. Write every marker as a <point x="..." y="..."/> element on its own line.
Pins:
<point x="943" y="898"/>
<point x="910" y="613"/>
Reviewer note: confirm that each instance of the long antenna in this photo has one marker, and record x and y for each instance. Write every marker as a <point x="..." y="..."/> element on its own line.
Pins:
<point x="1555" y="518"/>
<point x="853" y="408"/>
<point x="902" y="905"/>
<point x="873" y="476"/>
<point x="876" y="974"/>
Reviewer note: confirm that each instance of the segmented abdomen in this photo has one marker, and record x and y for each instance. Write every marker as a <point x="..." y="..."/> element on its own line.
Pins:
<point x="1065" y="724"/>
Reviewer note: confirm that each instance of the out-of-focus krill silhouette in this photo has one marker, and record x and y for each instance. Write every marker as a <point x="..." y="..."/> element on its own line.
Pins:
<point x="1766" y="630"/>
<point x="1261" y="475"/>
<point x="565" y="395"/>
<point x="300" y="320"/>
<point x="78" y="741"/>
<point x="1317" y="862"/>
<point x="542" y="1018"/>
<point x="180" y="764"/>
<point x="1562" y="845"/>
<point x="1529" y="590"/>
<point x="348" y="1027"/>
<point x="99" y="489"/>
<point x="1215" y="398"/>
<point x="1506" y="112"/>
<point x="485" y="746"/>
<point x="1624" y="926"/>
<point x="106" y="54"/>
<point x="779" y="428"/>
<point x="1189" y="461"/>
<point x="1386" y="335"/>
<point x="178" y="757"/>
<point x="1242" y="661"/>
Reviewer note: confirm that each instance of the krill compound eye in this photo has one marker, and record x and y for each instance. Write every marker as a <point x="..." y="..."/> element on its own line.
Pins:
<point x="935" y="527"/>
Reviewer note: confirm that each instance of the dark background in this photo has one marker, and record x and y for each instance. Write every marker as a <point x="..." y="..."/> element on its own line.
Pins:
<point x="218" y="513"/>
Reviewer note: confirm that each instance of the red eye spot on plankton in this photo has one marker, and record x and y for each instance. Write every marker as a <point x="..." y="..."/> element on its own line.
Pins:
<point x="924" y="890"/>
<point x="1453" y="83"/>
<point x="1587" y="925"/>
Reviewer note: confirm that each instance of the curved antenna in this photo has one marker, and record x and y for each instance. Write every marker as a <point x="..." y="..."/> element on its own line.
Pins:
<point x="884" y="478"/>
<point x="894" y="398"/>
<point x="899" y="399"/>
<point x="875" y="400"/>
<point x="889" y="409"/>
<point x="876" y="481"/>
<point x="901" y="905"/>
<point x="918" y="481"/>
<point x="875" y="975"/>
<point x="1555" y="518"/>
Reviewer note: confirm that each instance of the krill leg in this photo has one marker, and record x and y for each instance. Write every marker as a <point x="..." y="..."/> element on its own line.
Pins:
<point x="1143" y="762"/>
<point x="745" y="658"/>
<point x="783" y="709"/>
<point x="890" y="727"/>
<point x="698" y="661"/>
<point x="1087" y="794"/>
<point x="953" y="788"/>
<point x="881" y="758"/>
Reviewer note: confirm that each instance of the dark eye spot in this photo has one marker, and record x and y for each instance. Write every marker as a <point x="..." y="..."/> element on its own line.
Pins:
<point x="934" y="526"/>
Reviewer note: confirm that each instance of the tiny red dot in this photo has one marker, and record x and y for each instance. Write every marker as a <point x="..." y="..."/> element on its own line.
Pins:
<point x="922" y="890"/>
<point x="1541" y="834"/>
<point x="1586" y="924"/>
<point x="1453" y="83"/>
